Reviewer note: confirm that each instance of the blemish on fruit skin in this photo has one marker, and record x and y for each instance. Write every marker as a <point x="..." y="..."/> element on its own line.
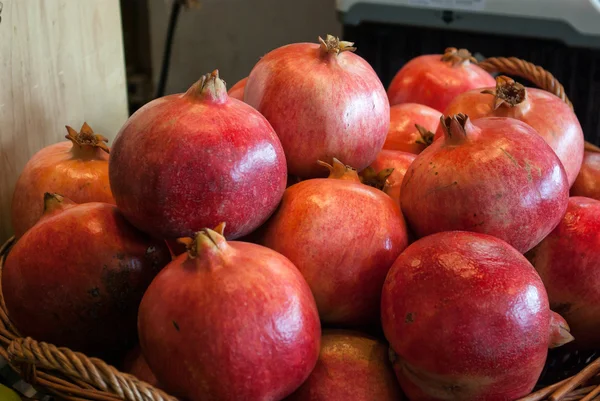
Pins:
<point x="415" y="262"/>
<point x="176" y="325"/>
<point x="410" y="317"/>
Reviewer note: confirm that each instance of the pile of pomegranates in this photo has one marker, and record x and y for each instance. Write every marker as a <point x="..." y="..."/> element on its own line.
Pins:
<point x="305" y="236"/>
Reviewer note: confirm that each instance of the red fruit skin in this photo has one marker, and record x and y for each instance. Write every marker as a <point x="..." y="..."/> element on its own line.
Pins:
<point x="56" y="169"/>
<point x="588" y="181"/>
<point x="503" y="180"/>
<point x="543" y="111"/>
<point x="399" y="161"/>
<point x="568" y="261"/>
<point x="403" y="135"/>
<point x="468" y="318"/>
<point x="338" y="110"/>
<point x="245" y="327"/>
<point x="237" y="90"/>
<point x="351" y="366"/>
<point x="135" y="364"/>
<point x="430" y="81"/>
<point x="343" y="236"/>
<point x="75" y="271"/>
<point x="181" y="163"/>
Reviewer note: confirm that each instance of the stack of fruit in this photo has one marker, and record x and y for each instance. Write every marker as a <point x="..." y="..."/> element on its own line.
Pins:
<point x="319" y="239"/>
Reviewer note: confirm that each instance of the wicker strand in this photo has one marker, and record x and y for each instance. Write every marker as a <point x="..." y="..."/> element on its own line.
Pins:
<point x="78" y="366"/>
<point x="587" y="373"/>
<point x="524" y="69"/>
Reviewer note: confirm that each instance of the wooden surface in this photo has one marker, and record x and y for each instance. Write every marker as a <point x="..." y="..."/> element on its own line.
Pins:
<point x="61" y="63"/>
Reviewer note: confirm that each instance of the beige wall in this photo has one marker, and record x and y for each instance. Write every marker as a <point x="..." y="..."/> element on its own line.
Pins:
<point x="232" y="35"/>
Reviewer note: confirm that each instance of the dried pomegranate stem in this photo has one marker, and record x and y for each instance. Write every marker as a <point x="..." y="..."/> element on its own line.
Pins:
<point x="340" y="171"/>
<point x="86" y="139"/>
<point x="426" y="135"/>
<point x="209" y="86"/>
<point x="458" y="57"/>
<point x="333" y="45"/>
<point x="508" y="93"/>
<point x="378" y="180"/>
<point x="205" y="240"/>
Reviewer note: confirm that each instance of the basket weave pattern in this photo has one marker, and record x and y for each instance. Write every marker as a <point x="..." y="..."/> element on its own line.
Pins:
<point x="72" y="376"/>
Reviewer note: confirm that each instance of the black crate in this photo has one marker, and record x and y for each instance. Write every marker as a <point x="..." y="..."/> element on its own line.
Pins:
<point x="388" y="46"/>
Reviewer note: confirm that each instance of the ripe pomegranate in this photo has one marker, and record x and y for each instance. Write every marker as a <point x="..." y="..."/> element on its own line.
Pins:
<point x="343" y="236"/>
<point x="78" y="268"/>
<point x="588" y="181"/>
<point x="494" y="175"/>
<point x="435" y="79"/>
<point x="229" y="321"/>
<point x="351" y="366"/>
<point x="237" y="90"/>
<point x="543" y="111"/>
<point x="568" y="261"/>
<point x="468" y="319"/>
<point x="187" y="161"/>
<point x="411" y="127"/>
<point x="135" y="364"/>
<point x="338" y="110"/>
<point x="387" y="172"/>
<point x="77" y="168"/>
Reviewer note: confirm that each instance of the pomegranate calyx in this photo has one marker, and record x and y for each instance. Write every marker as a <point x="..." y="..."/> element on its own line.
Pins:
<point x="205" y="240"/>
<point x="590" y="147"/>
<point x="86" y="138"/>
<point x="426" y="135"/>
<point x="458" y="57"/>
<point x="210" y="87"/>
<point x="507" y="93"/>
<point x="456" y="128"/>
<point x="375" y="179"/>
<point x="333" y="45"/>
<point x="560" y="333"/>
<point x="340" y="171"/>
<point x="55" y="202"/>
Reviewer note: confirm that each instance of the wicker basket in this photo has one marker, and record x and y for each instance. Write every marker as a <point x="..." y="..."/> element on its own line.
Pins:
<point x="73" y="376"/>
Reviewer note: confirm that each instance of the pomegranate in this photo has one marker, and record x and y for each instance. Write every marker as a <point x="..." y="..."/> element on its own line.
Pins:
<point x="135" y="364"/>
<point x="351" y="366"/>
<point x="568" y="261"/>
<point x="494" y="175"/>
<point x="343" y="236"/>
<point x="411" y="127"/>
<point x="323" y="101"/>
<point x="387" y="172"/>
<point x="192" y="160"/>
<point x="77" y="168"/>
<point x="237" y="90"/>
<point x="468" y="319"/>
<point x="588" y="181"/>
<point x="229" y="321"/>
<point x="78" y="268"/>
<point x="435" y="79"/>
<point x="543" y="111"/>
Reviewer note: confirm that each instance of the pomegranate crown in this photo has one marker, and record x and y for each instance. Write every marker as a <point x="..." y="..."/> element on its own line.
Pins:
<point x="209" y="86"/>
<point x="206" y="237"/>
<point x="87" y="137"/>
<point x="426" y="135"/>
<point x="458" y="57"/>
<point x="334" y="45"/>
<point x="507" y="93"/>
<point x="339" y="170"/>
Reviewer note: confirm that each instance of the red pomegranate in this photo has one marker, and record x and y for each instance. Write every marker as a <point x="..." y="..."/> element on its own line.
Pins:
<point x="135" y="364"/>
<point x="435" y="79"/>
<point x="543" y="111"/>
<point x="77" y="168"/>
<point x="323" y="101"/>
<point x="387" y="172"/>
<point x="588" y="181"/>
<point x="192" y="160"/>
<point x="237" y="90"/>
<point x="411" y="127"/>
<point x="494" y="175"/>
<point x="468" y="319"/>
<point x="343" y="236"/>
<point x="568" y="261"/>
<point x="79" y="268"/>
<point x="229" y="321"/>
<point x="351" y="366"/>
